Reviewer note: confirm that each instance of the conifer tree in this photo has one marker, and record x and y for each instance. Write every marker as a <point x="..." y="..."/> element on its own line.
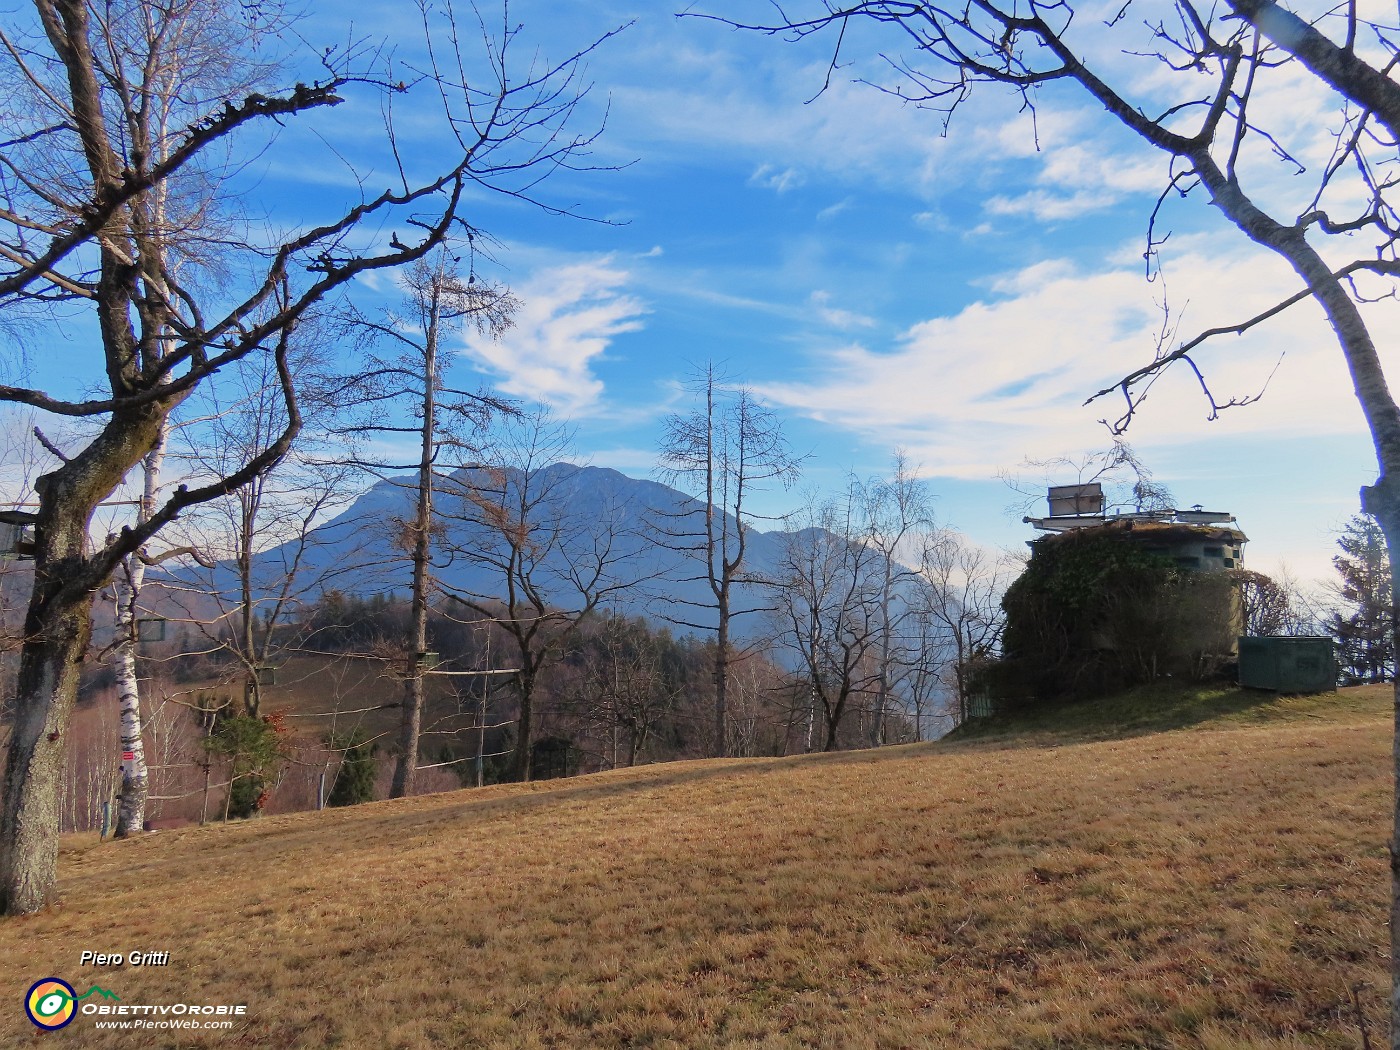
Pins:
<point x="355" y="781"/>
<point x="1364" y="626"/>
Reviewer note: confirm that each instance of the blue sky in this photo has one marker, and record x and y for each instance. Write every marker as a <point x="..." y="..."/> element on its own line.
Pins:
<point x="883" y="285"/>
<point x="878" y="283"/>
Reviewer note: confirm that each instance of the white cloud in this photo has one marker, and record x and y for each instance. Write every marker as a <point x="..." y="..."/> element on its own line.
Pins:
<point x="746" y="99"/>
<point x="1078" y="164"/>
<point x="1047" y="206"/>
<point x="569" y="316"/>
<point x="770" y="178"/>
<point x="1005" y="378"/>
<point x="835" y="317"/>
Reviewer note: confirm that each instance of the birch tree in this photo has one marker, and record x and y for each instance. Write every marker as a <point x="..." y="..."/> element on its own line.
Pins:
<point x="81" y="231"/>
<point x="180" y="52"/>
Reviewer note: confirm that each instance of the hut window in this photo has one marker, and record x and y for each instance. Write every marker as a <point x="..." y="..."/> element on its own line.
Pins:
<point x="1214" y="552"/>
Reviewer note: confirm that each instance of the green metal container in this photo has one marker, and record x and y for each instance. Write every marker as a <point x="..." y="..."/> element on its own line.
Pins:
<point x="1288" y="665"/>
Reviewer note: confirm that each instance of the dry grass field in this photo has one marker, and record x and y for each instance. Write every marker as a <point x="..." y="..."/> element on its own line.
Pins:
<point x="1222" y="885"/>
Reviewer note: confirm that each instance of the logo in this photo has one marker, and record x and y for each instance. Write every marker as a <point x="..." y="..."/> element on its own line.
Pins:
<point x="52" y="1003"/>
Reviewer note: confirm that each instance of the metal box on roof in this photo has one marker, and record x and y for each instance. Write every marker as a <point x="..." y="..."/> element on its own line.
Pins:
<point x="1304" y="664"/>
<point x="1075" y="500"/>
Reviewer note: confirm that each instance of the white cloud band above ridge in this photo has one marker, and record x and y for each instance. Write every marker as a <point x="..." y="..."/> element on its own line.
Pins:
<point x="1005" y="378"/>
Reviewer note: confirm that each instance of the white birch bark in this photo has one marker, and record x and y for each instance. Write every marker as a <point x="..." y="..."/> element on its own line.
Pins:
<point x="135" y="785"/>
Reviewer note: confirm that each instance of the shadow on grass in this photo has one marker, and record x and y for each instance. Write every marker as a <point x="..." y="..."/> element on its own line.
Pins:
<point x="1164" y="706"/>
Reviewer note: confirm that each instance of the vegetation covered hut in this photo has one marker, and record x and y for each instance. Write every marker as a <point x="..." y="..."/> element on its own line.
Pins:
<point x="1111" y="601"/>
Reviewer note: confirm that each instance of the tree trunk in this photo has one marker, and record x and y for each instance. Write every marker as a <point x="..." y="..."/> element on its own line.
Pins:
<point x="48" y="685"/>
<point x="882" y="694"/>
<point x="135" y="788"/>
<point x="252" y="684"/>
<point x="405" y="773"/>
<point x="721" y="676"/>
<point x="1382" y="419"/>
<point x="57" y="629"/>
<point x="131" y="810"/>
<point x="833" y="723"/>
<point x="524" y="730"/>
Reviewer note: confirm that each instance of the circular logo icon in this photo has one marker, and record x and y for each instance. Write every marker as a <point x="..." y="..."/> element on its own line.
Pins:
<point x="51" y="1003"/>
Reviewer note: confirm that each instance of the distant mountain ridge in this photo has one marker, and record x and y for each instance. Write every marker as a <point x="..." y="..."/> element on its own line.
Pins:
<point x="671" y="590"/>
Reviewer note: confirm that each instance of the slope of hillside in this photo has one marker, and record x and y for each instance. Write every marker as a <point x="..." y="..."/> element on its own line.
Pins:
<point x="1217" y="887"/>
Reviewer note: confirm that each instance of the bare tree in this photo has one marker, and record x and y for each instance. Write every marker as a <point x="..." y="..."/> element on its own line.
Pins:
<point x="438" y="301"/>
<point x="896" y="509"/>
<point x="1265" y="607"/>
<point x="184" y="53"/>
<point x="959" y="595"/>
<point x="1128" y="484"/>
<point x="758" y="723"/>
<point x="79" y="184"/>
<point x="724" y="453"/>
<point x="541" y="559"/>
<point x="828" y="598"/>
<point x="623" y="688"/>
<point x="924" y="653"/>
<point x="253" y="555"/>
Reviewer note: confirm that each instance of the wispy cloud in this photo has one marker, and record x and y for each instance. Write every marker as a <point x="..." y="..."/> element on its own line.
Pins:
<point x="779" y="181"/>
<point x="748" y="99"/>
<point x="1006" y="377"/>
<point x="1075" y="164"/>
<point x="569" y="317"/>
<point x="836" y="317"/>
<point x="1048" y="206"/>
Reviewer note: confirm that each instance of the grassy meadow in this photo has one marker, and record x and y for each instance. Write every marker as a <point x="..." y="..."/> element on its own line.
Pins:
<point x="1221" y="884"/>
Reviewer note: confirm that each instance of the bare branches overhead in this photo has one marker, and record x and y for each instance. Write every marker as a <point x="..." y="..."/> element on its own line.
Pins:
<point x="1203" y="85"/>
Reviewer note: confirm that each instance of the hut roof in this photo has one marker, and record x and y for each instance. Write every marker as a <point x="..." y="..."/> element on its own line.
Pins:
<point x="1166" y="532"/>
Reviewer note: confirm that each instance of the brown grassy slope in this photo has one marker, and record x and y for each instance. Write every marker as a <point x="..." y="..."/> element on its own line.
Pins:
<point x="1223" y="887"/>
